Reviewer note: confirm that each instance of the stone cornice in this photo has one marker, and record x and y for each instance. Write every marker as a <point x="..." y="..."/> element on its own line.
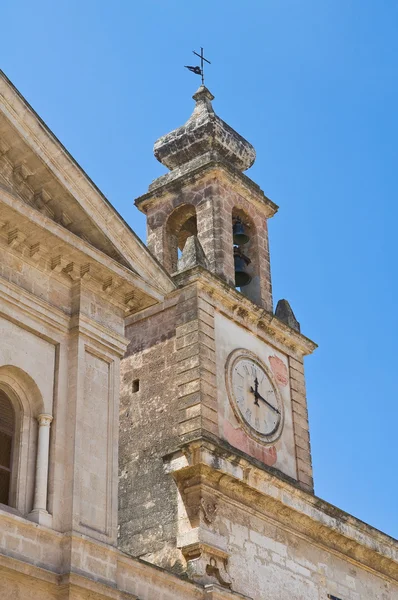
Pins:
<point x="75" y="181"/>
<point x="53" y="323"/>
<point x="41" y="315"/>
<point x="240" y="481"/>
<point x="19" y="220"/>
<point x="208" y="165"/>
<point x="103" y="336"/>
<point x="45" y="318"/>
<point x="245" y="310"/>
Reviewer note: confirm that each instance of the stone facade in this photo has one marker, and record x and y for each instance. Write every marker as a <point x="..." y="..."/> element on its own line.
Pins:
<point x="200" y="495"/>
<point x="199" y="509"/>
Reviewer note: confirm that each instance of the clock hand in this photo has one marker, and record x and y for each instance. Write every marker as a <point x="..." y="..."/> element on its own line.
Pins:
<point x="257" y="395"/>
<point x="269" y="404"/>
<point x="255" y="391"/>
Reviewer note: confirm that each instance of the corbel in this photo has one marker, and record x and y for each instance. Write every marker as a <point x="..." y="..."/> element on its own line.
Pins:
<point x="86" y="272"/>
<point x="15" y="238"/>
<point x="73" y="270"/>
<point x="130" y="300"/>
<point x="36" y="251"/>
<point x="4" y="148"/>
<point x="41" y="200"/>
<point x="58" y="263"/>
<point x="21" y="173"/>
<point x="109" y="285"/>
<point x="65" y="219"/>
<point x="207" y="564"/>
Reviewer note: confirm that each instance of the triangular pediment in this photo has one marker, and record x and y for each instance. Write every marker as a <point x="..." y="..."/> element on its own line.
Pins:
<point x="36" y="168"/>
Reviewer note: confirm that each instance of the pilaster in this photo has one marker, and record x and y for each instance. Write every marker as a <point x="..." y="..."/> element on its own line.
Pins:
<point x="196" y="366"/>
<point x="300" y="423"/>
<point x="91" y="481"/>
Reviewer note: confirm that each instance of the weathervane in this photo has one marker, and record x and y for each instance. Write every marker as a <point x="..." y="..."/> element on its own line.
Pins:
<point x="199" y="70"/>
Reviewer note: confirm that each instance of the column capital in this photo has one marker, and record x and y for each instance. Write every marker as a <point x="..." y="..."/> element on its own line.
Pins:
<point x="44" y="420"/>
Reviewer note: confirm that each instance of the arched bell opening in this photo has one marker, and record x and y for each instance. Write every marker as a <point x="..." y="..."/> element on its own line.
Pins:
<point x="246" y="258"/>
<point x="181" y="225"/>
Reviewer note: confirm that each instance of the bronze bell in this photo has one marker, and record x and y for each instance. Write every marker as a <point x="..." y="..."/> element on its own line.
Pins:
<point x="240" y="236"/>
<point x="241" y="261"/>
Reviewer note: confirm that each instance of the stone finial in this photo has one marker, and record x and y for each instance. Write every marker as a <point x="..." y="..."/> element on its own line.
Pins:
<point x="284" y="313"/>
<point x="204" y="134"/>
<point x="192" y="255"/>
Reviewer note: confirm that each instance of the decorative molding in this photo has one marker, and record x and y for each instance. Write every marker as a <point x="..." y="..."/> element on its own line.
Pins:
<point x="146" y="295"/>
<point x="207" y="564"/>
<point x="254" y="488"/>
<point x="209" y="510"/>
<point x="206" y="167"/>
<point x="99" y="336"/>
<point x="39" y="150"/>
<point x="251" y="316"/>
<point x="44" y="420"/>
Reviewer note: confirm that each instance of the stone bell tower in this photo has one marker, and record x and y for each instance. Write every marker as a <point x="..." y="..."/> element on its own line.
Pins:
<point x="213" y="404"/>
<point x="202" y="195"/>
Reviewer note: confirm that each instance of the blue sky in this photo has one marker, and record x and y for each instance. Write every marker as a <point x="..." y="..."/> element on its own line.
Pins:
<point x="313" y="85"/>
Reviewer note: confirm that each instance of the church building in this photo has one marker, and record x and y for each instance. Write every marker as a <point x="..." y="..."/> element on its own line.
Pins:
<point x="154" y="439"/>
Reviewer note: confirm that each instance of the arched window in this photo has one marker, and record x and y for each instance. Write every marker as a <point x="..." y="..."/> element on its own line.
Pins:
<point x="180" y="226"/>
<point x="7" y="434"/>
<point x="20" y="406"/>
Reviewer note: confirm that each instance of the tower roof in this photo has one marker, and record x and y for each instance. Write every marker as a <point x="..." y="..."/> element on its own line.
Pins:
<point x="204" y="133"/>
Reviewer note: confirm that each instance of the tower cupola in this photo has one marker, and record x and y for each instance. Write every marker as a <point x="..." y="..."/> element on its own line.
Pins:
<point x="204" y="137"/>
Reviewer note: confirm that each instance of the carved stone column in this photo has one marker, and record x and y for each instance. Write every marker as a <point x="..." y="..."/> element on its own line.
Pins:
<point x="39" y="512"/>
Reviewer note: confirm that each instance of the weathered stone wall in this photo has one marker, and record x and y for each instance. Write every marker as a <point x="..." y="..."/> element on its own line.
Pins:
<point x="268" y="561"/>
<point x="171" y="357"/>
<point x="172" y="354"/>
<point x="148" y="430"/>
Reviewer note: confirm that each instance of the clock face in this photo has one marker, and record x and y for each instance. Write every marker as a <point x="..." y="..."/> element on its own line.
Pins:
<point x="254" y="396"/>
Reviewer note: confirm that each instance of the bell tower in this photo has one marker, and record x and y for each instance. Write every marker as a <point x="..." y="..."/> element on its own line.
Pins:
<point x="206" y="195"/>
<point x="213" y="403"/>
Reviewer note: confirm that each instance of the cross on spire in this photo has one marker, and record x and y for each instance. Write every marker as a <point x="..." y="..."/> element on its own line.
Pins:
<point x="199" y="70"/>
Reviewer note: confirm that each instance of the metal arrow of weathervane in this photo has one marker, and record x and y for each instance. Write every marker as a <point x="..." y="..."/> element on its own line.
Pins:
<point x="199" y="70"/>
